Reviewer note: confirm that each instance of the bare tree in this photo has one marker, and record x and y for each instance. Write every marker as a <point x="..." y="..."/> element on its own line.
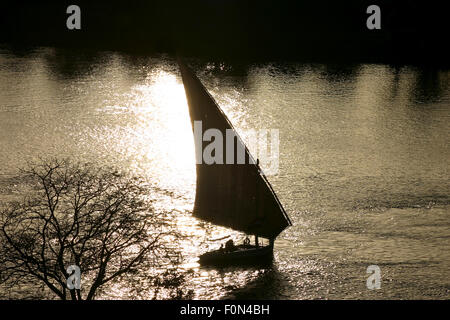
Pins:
<point x="97" y="220"/>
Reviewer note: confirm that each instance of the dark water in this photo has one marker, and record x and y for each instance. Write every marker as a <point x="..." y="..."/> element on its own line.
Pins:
<point x="363" y="163"/>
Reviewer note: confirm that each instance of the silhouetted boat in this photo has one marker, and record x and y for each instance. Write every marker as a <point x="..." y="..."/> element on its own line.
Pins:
<point x="233" y="195"/>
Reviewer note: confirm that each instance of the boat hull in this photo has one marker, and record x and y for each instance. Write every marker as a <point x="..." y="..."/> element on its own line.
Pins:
<point x="244" y="254"/>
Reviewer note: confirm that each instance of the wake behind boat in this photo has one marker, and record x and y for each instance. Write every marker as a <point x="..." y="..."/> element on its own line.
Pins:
<point x="234" y="194"/>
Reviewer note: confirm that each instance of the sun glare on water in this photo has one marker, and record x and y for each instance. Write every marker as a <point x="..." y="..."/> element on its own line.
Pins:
<point x="163" y="135"/>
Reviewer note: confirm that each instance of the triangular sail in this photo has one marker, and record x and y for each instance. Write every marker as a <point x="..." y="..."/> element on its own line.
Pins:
<point x="237" y="196"/>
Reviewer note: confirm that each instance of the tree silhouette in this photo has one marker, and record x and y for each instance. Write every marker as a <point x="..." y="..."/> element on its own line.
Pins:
<point x="98" y="220"/>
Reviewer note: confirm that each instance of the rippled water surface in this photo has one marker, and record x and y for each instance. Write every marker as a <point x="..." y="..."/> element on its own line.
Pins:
<point x="363" y="166"/>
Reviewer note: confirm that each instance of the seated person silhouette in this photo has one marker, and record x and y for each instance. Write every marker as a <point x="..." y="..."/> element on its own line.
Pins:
<point x="229" y="246"/>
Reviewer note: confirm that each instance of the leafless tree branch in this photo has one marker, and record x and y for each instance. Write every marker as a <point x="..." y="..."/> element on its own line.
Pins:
<point x="98" y="220"/>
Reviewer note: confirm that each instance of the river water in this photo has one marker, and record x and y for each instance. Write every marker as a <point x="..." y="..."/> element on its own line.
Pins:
<point x="363" y="160"/>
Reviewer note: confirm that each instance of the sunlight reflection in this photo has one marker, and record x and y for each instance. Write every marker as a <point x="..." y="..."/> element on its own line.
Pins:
<point x="172" y="137"/>
<point x="152" y="134"/>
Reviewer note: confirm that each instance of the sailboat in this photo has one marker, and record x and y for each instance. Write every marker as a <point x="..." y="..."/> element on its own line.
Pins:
<point x="234" y="194"/>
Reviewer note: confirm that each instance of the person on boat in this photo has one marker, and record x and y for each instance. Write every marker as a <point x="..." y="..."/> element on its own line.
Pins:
<point x="229" y="246"/>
